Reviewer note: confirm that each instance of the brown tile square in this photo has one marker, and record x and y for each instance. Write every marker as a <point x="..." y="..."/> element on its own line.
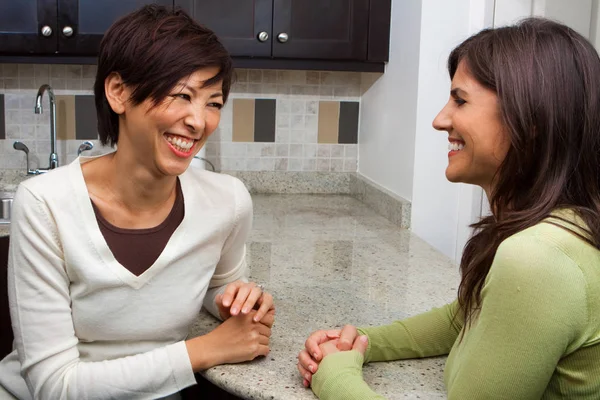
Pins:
<point x="349" y="122"/>
<point x="329" y="121"/>
<point x="243" y="120"/>
<point x="65" y="117"/>
<point x="86" y="121"/>
<point x="264" y="120"/>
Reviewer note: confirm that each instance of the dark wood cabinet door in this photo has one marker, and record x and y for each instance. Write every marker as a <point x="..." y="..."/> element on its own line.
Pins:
<point x="82" y="23"/>
<point x="21" y="26"/>
<point x="237" y="23"/>
<point x="321" y="29"/>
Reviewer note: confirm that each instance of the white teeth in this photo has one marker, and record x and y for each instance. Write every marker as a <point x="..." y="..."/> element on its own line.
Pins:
<point x="181" y="143"/>
<point x="454" y="146"/>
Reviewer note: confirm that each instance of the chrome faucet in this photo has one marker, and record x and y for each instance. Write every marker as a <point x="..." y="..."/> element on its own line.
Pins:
<point x="53" y="161"/>
<point x="38" y="110"/>
<point x="85" y="146"/>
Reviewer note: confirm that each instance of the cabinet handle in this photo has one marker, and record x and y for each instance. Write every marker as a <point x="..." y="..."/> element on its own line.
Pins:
<point x="68" y="31"/>
<point x="283" y="37"/>
<point x="46" y="31"/>
<point x="263" y="36"/>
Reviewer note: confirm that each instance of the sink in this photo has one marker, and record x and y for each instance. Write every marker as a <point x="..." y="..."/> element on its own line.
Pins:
<point x="6" y="201"/>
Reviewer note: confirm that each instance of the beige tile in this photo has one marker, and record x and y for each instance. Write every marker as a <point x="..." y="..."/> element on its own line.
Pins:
<point x="329" y="121"/>
<point x="243" y="120"/>
<point x="65" y="117"/>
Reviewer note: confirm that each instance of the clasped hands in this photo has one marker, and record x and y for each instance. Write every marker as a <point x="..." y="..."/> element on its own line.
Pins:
<point x="322" y="343"/>
<point x="248" y="314"/>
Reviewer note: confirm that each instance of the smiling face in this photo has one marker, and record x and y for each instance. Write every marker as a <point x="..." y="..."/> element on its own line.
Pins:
<point x="165" y="137"/>
<point x="478" y="142"/>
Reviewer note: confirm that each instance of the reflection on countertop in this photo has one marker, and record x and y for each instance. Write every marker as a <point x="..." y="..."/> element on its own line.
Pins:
<point x="330" y="260"/>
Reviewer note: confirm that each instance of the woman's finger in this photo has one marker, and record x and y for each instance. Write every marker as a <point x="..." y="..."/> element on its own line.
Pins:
<point x="307" y="362"/>
<point x="306" y="376"/>
<point x="347" y="337"/>
<point x="253" y="296"/>
<point x="266" y="304"/>
<point x="316" y="339"/>
<point x="240" y="298"/>
<point x="268" y="319"/>
<point x="230" y="292"/>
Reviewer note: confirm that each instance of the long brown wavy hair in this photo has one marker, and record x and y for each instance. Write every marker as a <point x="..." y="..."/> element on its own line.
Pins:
<point x="547" y="78"/>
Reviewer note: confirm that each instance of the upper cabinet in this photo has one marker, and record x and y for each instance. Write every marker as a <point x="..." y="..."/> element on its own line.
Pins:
<point x="28" y="27"/>
<point x="243" y="26"/>
<point x="306" y="29"/>
<point x="321" y="29"/>
<point x="301" y="34"/>
<point x="82" y="23"/>
<point x="66" y="27"/>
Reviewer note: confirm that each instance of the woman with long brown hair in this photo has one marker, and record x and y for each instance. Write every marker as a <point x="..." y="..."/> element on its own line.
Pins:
<point x="523" y="122"/>
<point x="112" y="257"/>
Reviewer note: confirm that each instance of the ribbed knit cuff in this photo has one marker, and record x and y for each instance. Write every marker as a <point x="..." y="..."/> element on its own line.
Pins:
<point x="335" y="370"/>
<point x="181" y="365"/>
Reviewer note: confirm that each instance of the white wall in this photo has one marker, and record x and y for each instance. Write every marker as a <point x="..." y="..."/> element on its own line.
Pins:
<point x="441" y="211"/>
<point x="577" y="13"/>
<point x="398" y="148"/>
<point x="389" y="108"/>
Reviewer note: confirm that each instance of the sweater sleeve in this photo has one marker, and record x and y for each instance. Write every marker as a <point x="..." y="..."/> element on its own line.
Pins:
<point x="425" y="335"/>
<point x="232" y="264"/>
<point x="45" y="338"/>
<point x="534" y="309"/>
<point x="340" y="377"/>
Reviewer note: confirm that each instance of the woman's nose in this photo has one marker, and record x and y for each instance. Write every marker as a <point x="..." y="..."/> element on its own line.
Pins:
<point x="443" y="121"/>
<point x="195" y="120"/>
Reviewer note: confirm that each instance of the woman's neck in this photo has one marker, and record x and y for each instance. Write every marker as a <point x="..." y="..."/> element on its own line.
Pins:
<point x="133" y="185"/>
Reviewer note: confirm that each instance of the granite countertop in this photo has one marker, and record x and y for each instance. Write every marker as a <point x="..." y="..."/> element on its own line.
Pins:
<point x="328" y="261"/>
<point x="4" y="230"/>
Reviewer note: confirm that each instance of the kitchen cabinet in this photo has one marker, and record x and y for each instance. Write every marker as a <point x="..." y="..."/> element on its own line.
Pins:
<point x="65" y="27"/>
<point x="348" y="35"/>
<point x="300" y="29"/>
<point x="299" y="34"/>
<point x="238" y="23"/>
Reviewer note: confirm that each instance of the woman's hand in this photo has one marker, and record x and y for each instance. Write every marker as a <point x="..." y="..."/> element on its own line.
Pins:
<point x="244" y="297"/>
<point x="312" y="354"/>
<point x="240" y="338"/>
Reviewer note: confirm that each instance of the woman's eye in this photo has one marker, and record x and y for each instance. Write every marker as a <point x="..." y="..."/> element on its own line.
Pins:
<point x="183" y="96"/>
<point x="218" y="106"/>
<point x="459" y="102"/>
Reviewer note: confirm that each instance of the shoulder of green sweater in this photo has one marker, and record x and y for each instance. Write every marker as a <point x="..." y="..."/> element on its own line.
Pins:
<point x="538" y="251"/>
<point x="548" y="267"/>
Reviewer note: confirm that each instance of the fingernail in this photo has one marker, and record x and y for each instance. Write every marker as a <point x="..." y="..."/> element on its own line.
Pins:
<point x="234" y="310"/>
<point x="364" y="339"/>
<point x="315" y="355"/>
<point x="255" y="319"/>
<point x="245" y="310"/>
<point x="311" y="368"/>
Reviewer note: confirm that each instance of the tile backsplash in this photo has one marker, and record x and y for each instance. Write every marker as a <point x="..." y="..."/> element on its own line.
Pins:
<point x="273" y="121"/>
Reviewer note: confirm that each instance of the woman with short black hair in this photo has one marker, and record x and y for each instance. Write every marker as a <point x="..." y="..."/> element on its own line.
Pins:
<point x="112" y="257"/>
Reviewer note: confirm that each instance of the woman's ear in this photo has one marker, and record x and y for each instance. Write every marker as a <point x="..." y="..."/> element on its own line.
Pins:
<point x="117" y="94"/>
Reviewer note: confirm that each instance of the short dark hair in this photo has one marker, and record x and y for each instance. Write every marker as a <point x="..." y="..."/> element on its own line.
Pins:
<point x="152" y="49"/>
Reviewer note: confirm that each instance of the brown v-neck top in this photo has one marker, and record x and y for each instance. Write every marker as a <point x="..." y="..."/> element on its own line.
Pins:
<point x="138" y="249"/>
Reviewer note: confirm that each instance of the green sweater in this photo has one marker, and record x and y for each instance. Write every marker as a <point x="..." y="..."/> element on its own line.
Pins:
<point x="537" y="335"/>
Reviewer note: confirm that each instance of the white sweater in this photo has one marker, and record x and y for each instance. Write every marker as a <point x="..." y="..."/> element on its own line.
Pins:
<point x="85" y="326"/>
